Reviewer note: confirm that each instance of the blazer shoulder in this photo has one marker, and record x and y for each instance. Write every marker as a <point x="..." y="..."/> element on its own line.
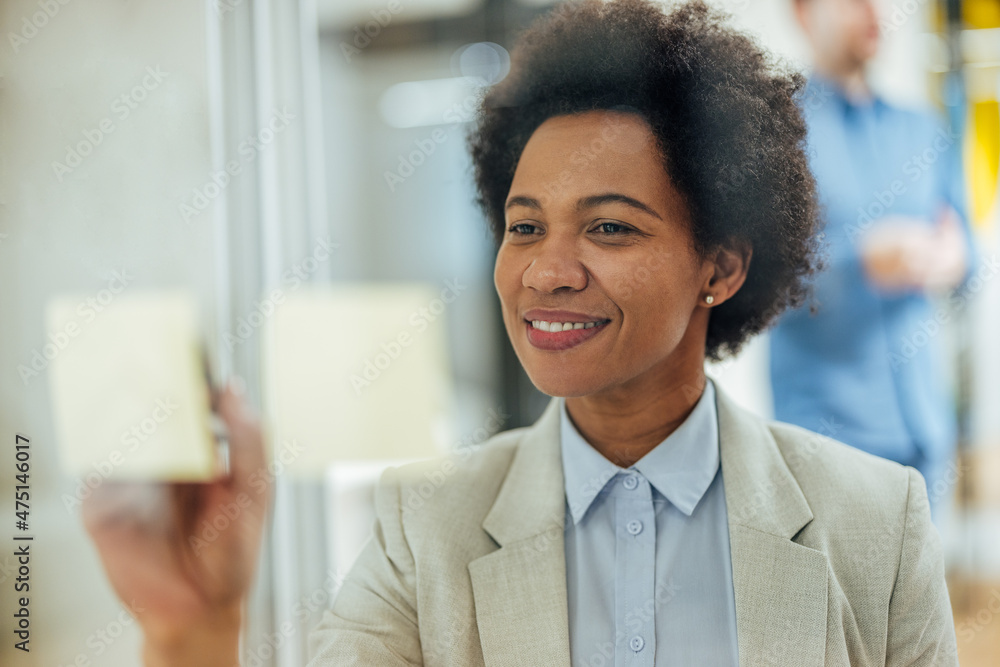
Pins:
<point x="839" y="480"/>
<point x="460" y="484"/>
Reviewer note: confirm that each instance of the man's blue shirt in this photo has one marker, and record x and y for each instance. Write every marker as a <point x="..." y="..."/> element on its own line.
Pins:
<point x="867" y="368"/>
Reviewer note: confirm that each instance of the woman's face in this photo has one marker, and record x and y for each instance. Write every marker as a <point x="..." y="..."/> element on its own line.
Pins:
<point x="597" y="235"/>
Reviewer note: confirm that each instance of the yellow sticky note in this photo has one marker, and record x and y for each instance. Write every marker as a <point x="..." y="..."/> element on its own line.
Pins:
<point x="128" y="391"/>
<point x="357" y="372"/>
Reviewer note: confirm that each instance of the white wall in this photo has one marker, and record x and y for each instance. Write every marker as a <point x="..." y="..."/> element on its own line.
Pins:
<point x="116" y="211"/>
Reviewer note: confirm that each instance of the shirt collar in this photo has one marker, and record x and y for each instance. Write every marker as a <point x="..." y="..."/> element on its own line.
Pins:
<point x="681" y="467"/>
<point x="820" y="87"/>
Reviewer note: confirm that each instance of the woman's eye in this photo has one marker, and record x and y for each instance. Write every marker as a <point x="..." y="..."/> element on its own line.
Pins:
<point x="612" y="228"/>
<point x="522" y="228"/>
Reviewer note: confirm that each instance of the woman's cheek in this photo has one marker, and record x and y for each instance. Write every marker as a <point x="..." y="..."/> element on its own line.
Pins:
<point x="627" y="283"/>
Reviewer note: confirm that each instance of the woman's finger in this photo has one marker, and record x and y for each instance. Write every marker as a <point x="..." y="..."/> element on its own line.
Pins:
<point x="125" y="503"/>
<point x="246" y="445"/>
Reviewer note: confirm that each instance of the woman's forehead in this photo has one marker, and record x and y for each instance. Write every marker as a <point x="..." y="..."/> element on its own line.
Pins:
<point x="571" y="158"/>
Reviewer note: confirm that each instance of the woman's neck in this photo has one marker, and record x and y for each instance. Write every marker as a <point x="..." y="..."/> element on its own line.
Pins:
<point x="625" y="423"/>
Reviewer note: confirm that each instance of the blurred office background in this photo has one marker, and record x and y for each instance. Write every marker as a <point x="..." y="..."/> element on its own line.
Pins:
<point x="346" y="121"/>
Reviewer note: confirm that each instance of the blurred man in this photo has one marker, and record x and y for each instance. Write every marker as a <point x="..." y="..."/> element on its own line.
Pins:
<point x="867" y="368"/>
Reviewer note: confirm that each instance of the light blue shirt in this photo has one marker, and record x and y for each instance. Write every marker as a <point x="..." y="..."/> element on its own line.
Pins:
<point x="648" y="569"/>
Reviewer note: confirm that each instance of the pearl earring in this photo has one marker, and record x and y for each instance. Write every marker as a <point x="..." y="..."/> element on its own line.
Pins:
<point x="709" y="299"/>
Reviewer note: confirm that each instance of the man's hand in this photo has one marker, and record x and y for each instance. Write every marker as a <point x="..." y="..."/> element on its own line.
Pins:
<point x="902" y="254"/>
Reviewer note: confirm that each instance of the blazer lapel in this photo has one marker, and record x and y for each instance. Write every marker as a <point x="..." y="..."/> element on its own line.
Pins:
<point x="520" y="589"/>
<point x="780" y="586"/>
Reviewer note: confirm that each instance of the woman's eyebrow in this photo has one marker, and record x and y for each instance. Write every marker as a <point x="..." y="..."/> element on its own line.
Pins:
<point x="615" y="198"/>
<point x="522" y="200"/>
<point x="587" y="202"/>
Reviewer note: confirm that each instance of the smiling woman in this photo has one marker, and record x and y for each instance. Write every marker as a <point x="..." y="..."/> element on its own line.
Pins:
<point x="721" y="148"/>
<point x="567" y="256"/>
<point x="645" y="179"/>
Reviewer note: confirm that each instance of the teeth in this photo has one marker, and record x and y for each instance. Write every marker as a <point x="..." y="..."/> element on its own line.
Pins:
<point x="561" y="326"/>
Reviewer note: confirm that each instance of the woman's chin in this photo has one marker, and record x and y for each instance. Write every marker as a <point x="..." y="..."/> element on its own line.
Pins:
<point x="555" y="384"/>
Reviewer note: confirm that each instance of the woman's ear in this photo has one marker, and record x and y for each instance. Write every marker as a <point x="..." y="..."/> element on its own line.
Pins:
<point x="730" y="266"/>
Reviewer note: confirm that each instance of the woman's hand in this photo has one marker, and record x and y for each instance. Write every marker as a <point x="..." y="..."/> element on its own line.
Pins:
<point x="183" y="555"/>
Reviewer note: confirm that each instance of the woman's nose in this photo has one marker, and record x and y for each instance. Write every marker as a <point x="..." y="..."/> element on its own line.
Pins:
<point x="555" y="266"/>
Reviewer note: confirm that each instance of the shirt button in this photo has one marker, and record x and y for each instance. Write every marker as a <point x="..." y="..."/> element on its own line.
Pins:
<point x="630" y="482"/>
<point x="634" y="527"/>
<point x="637" y="643"/>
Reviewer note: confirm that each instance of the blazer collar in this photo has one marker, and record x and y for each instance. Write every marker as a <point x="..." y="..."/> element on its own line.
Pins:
<point x="761" y="492"/>
<point x="780" y="586"/>
<point x="519" y="590"/>
<point x="531" y="499"/>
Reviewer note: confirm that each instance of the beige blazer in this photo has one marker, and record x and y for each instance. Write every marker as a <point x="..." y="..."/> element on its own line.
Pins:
<point x="835" y="560"/>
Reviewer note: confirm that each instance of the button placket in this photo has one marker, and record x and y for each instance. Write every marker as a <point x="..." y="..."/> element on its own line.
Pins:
<point x="635" y="573"/>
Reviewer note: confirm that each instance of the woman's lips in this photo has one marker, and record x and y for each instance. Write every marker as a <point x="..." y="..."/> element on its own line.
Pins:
<point x="561" y="340"/>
